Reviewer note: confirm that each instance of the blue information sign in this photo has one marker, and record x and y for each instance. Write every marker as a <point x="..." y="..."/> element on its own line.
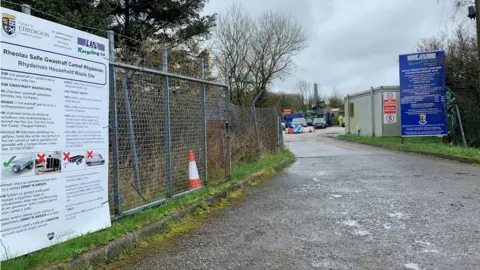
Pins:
<point x="422" y="94"/>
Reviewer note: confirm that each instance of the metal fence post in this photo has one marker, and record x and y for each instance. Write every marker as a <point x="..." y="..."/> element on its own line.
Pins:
<point x="254" y="113"/>
<point x="348" y="116"/>
<point x="461" y="126"/>
<point x="277" y="113"/>
<point x="114" y="125"/>
<point x="372" y="109"/>
<point x="228" y="123"/>
<point x="168" y="135"/>
<point x="131" y="132"/>
<point x="222" y="140"/>
<point x="204" y="119"/>
<point x="26" y="9"/>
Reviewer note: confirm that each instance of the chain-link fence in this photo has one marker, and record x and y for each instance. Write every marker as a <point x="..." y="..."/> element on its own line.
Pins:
<point x="159" y="116"/>
<point x="464" y="112"/>
<point x="245" y="146"/>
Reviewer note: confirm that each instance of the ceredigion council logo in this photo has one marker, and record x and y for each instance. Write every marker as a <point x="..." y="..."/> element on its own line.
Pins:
<point x="423" y="119"/>
<point x="9" y="24"/>
<point x="94" y="48"/>
<point x="50" y="236"/>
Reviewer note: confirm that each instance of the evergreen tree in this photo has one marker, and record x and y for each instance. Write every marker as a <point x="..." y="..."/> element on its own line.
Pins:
<point x="93" y="14"/>
<point x="173" y="21"/>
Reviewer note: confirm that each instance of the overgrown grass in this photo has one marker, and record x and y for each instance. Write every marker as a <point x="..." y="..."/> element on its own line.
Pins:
<point x="424" y="144"/>
<point x="166" y="240"/>
<point x="63" y="251"/>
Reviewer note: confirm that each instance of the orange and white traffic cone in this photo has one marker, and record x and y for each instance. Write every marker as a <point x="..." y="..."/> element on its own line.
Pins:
<point x="193" y="178"/>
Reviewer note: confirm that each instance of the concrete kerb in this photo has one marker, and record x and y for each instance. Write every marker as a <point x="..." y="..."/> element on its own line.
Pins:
<point x="103" y="254"/>
<point x="423" y="153"/>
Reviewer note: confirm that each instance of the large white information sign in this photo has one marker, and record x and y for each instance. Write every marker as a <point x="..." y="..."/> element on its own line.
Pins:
<point x="54" y="133"/>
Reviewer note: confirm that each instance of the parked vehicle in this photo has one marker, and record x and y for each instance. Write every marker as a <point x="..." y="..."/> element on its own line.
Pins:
<point x="309" y="117"/>
<point x="289" y="118"/>
<point x="320" y="123"/>
<point x="97" y="159"/>
<point x="299" y="121"/>
<point x="76" y="159"/>
<point x="21" y="164"/>
<point x="299" y="125"/>
<point x="309" y="121"/>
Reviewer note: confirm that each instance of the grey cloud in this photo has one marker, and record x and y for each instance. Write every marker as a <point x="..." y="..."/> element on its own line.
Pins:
<point x="353" y="44"/>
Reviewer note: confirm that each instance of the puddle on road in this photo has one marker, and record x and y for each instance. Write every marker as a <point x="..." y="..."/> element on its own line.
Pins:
<point x="351" y="223"/>
<point x="361" y="232"/>
<point x="323" y="173"/>
<point x="398" y="215"/>
<point x="412" y="266"/>
<point x="425" y="243"/>
<point x="432" y="250"/>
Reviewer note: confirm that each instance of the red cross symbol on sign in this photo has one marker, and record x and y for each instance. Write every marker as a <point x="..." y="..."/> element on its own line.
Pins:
<point x="89" y="154"/>
<point x="41" y="158"/>
<point x="66" y="155"/>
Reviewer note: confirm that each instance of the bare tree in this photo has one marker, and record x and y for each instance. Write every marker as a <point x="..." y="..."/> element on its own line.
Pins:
<point x="232" y="45"/>
<point x="277" y="39"/>
<point x="305" y="91"/>
<point x="257" y="50"/>
<point x="335" y="100"/>
<point x="462" y="68"/>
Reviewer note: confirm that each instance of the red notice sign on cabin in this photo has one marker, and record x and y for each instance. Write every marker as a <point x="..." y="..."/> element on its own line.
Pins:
<point x="389" y="107"/>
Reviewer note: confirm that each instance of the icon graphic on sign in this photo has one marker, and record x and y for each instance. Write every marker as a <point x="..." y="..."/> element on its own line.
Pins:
<point x="94" y="158"/>
<point x="390" y="118"/>
<point x="40" y="158"/>
<point x="423" y="119"/>
<point x="73" y="160"/>
<point x="48" y="162"/>
<point x="15" y="165"/>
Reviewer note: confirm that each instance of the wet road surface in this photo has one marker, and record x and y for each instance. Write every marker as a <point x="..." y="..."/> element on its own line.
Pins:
<point x="341" y="206"/>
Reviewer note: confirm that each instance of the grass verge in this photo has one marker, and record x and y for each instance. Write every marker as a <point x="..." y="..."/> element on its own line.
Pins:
<point x="164" y="241"/>
<point x="433" y="145"/>
<point x="66" y="250"/>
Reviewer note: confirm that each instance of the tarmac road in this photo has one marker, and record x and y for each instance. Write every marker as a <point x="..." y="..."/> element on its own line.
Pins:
<point x="341" y="206"/>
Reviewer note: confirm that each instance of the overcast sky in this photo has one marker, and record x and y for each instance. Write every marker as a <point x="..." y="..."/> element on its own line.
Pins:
<point x="354" y="44"/>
